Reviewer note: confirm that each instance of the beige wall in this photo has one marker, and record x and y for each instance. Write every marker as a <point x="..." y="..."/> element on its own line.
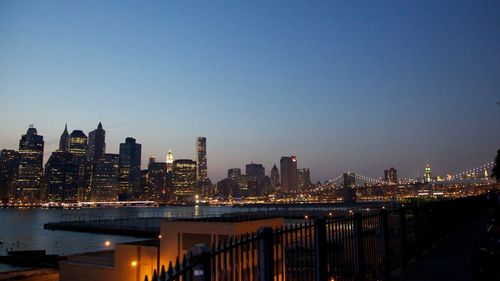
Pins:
<point x="172" y="233"/>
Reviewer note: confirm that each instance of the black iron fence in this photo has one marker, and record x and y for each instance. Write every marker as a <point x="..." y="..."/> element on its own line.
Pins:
<point x="362" y="246"/>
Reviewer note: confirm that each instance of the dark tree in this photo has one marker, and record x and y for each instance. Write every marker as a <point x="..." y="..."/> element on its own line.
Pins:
<point x="496" y="170"/>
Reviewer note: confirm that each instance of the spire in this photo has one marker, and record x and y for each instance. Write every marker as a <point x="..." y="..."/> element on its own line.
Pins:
<point x="64" y="140"/>
<point x="65" y="129"/>
<point x="99" y="126"/>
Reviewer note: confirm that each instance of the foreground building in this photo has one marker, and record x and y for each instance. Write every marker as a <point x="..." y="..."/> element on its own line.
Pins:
<point x="133" y="261"/>
<point x="288" y="167"/>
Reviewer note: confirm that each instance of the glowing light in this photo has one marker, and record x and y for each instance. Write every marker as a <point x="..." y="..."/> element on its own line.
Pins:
<point x="107" y="243"/>
<point x="306" y="217"/>
<point x="159" y="236"/>
<point x="133" y="263"/>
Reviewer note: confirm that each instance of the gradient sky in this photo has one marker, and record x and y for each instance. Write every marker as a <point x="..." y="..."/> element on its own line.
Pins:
<point x="344" y="85"/>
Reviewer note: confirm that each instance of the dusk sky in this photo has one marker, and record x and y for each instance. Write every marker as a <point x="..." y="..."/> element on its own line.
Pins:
<point x="344" y="85"/>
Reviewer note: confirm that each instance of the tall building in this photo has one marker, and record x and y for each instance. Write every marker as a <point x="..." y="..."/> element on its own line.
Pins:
<point x="275" y="177"/>
<point x="130" y="169"/>
<point x="303" y="179"/>
<point x="96" y="145"/>
<point x="288" y="167"/>
<point x="391" y="176"/>
<point x="234" y="174"/>
<point x="30" y="165"/>
<point x="201" y="153"/>
<point x="78" y="147"/>
<point x="184" y="179"/>
<point x="170" y="161"/>
<point x="157" y="180"/>
<point x="255" y="170"/>
<point x="64" y="140"/>
<point x="78" y="143"/>
<point x="61" y="177"/>
<point x="427" y="173"/>
<point x="9" y="167"/>
<point x="104" y="178"/>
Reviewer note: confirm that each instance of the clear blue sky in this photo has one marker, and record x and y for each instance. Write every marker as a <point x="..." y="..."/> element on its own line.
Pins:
<point x="344" y="85"/>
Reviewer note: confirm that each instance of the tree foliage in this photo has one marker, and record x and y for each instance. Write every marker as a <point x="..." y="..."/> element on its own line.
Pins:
<point x="496" y="169"/>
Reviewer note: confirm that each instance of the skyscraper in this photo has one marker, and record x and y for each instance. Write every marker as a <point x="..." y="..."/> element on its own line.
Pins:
<point x="391" y="176"/>
<point x="9" y="167"/>
<point x="78" y="147"/>
<point x="253" y="170"/>
<point x="184" y="177"/>
<point x="275" y="177"/>
<point x="78" y="143"/>
<point x="303" y="179"/>
<point x="288" y="167"/>
<point x="104" y="178"/>
<point x="170" y="161"/>
<point x="30" y="165"/>
<point x="64" y="140"/>
<point x="97" y="145"/>
<point x="427" y="173"/>
<point x="234" y="174"/>
<point x="157" y="180"/>
<point x="201" y="152"/>
<point x="61" y="177"/>
<point x="130" y="169"/>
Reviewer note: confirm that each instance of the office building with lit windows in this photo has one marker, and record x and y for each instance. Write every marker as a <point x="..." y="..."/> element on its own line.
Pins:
<point x="9" y="167"/>
<point x="130" y="169"/>
<point x="30" y="166"/>
<point x="201" y="163"/>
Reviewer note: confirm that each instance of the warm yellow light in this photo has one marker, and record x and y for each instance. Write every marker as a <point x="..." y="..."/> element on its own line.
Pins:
<point x="159" y="236"/>
<point x="134" y="263"/>
<point x="107" y="243"/>
<point x="306" y="217"/>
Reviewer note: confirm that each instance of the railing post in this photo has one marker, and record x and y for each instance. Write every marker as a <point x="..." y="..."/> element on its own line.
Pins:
<point x="386" y="250"/>
<point x="358" y="247"/>
<point x="266" y="254"/>
<point x="403" y="236"/>
<point x="200" y="255"/>
<point x="321" y="248"/>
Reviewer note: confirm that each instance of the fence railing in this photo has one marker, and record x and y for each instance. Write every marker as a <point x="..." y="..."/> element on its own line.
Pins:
<point x="368" y="246"/>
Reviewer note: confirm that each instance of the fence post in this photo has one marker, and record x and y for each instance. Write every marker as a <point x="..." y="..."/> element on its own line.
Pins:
<point x="358" y="247"/>
<point x="266" y="254"/>
<point x="386" y="250"/>
<point x="321" y="247"/>
<point x="403" y="236"/>
<point x="200" y="255"/>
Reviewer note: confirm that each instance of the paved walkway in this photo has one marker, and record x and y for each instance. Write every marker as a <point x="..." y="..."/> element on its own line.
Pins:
<point x="451" y="260"/>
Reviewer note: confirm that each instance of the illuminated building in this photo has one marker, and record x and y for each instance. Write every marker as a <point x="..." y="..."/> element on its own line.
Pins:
<point x="61" y="177"/>
<point x="201" y="153"/>
<point x="303" y="179"/>
<point x="288" y="167"/>
<point x="78" y="147"/>
<point x="130" y="169"/>
<point x="64" y="140"/>
<point x="275" y="177"/>
<point x="78" y="143"/>
<point x="30" y="165"/>
<point x="96" y="145"/>
<point x="391" y="176"/>
<point x="157" y="179"/>
<point x="427" y="173"/>
<point x="184" y="179"/>
<point x="234" y="174"/>
<point x="349" y="180"/>
<point x="170" y="161"/>
<point x="104" y="178"/>
<point x="9" y="167"/>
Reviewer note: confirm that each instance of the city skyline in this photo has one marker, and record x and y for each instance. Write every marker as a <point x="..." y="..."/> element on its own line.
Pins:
<point x="344" y="86"/>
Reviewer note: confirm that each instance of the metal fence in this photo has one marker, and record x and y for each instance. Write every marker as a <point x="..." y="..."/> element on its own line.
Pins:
<point x="368" y="246"/>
